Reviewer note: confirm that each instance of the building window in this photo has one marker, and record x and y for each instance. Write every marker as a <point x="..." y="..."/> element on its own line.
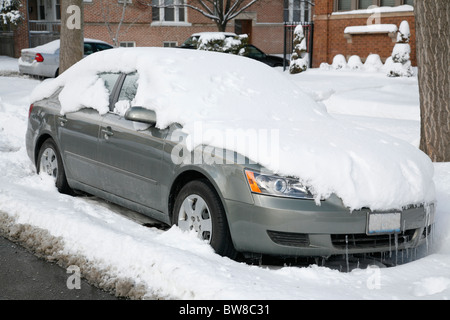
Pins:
<point x="168" y="11"/>
<point x="348" y="5"/>
<point x="297" y="10"/>
<point x="364" y="4"/>
<point x="387" y="3"/>
<point x="344" y="5"/>
<point x="58" y="9"/>
<point x="41" y="10"/>
<point x="170" y="44"/>
<point x="127" y="44"/>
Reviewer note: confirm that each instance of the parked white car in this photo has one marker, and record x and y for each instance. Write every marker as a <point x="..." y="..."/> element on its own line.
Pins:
<point x="43" y="61"/>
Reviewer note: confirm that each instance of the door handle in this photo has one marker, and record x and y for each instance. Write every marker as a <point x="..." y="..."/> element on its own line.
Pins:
<point x="107" y="132"/>
<point x="62" y="120"/>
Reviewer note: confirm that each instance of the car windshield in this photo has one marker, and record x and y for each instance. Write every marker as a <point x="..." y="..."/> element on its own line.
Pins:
<point x="190" y="42"/>
<point x="253" y="52"/>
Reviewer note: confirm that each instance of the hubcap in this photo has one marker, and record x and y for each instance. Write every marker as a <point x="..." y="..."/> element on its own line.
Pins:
<point x="195" y="215"/>
<point x="49" y="163"/>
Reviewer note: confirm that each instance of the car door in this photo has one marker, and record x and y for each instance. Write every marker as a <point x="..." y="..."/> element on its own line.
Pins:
<point x="78" y="134"/>
<point x="130" y="153"/>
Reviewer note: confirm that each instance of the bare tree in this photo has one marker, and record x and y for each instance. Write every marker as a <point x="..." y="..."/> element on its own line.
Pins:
<point x="433" y="55"/>
<point x="220" y="11"/>
<point x="71" y="47"/>
<point x="115" y="27"/>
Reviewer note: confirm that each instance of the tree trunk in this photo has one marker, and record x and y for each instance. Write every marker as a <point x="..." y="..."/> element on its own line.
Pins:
<point x="433" y="57"/>
<point x="72" y="34"/>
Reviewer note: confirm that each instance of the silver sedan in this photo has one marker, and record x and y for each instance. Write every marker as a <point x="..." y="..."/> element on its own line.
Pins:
<point x="43" y="61"/>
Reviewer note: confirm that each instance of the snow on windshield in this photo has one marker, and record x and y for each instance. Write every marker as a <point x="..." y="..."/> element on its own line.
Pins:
<point x="214" y="95"/>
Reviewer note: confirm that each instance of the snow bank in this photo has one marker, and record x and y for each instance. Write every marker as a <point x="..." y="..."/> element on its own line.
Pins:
<point x="364" y="168"/>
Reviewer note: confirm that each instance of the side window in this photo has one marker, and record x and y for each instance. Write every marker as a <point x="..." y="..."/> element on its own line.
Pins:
<point x="88" y="48"/>
<point x="110" y="80"/>
<point x="127" y="93"/>
<point x="102" y="46"/>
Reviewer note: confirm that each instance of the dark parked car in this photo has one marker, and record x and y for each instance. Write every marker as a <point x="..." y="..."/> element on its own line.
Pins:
<point x="250" y="50"/>
<point x="122" y="124"/>
<point x="271" y="60"/>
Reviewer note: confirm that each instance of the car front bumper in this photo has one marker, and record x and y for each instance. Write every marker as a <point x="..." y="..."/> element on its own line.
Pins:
<point x="276" y="226"/>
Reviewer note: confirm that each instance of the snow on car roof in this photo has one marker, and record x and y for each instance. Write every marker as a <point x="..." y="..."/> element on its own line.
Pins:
<point x="231" y="34"/>
<point x="52" y="46"/>
<point x="215" y="96"/>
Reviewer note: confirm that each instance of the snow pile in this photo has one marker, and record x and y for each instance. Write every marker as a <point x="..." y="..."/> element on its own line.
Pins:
<point x="365" y="169"/>
<point x="400" y="66"/>
<point x="355" y="63"/>
<point x="8" y="66"/>
<point x="373" y="63"/>
<point x="299" y="58"/>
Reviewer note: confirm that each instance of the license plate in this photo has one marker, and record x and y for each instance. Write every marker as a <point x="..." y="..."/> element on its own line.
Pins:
<point x="382" y="223"/>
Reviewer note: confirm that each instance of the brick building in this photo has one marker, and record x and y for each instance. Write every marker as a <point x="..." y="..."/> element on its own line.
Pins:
<point x="142" y="25"/>
<point x="332" y="37"/>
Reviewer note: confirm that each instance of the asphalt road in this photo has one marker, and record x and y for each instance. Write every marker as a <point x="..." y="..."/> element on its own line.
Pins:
<point x="23" y="276"/>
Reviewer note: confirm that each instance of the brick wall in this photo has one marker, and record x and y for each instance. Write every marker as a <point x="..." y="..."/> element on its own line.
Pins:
<point x="266" y="17"/>
<point x="329" y="34"/>
<point x="21" y="34"/>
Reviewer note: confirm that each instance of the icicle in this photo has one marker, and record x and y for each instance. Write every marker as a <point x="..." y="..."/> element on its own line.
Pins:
<point x="346" y="252"/>
<point x="396" y="247"/>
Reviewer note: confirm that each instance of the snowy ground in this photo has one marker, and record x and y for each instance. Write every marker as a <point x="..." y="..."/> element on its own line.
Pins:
<point x="117" y="253"/>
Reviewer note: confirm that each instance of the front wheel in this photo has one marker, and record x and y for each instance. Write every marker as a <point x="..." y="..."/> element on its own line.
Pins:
<point x="198" y="207"/>
<point x="49" y="161"/>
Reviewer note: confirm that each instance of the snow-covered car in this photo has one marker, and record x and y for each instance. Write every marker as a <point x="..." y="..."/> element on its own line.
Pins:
<point x="250" y="51"/>
<point x="231" y="150"/>
<point x="192" y="41"/>
<point x="43" y="61"/>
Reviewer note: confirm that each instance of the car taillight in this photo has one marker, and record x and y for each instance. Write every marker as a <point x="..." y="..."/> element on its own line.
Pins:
<point x="29" y="110"/>
<point x="39" y="57"/>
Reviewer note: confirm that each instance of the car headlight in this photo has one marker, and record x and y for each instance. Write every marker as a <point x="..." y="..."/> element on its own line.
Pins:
<point x="276" y="185"/>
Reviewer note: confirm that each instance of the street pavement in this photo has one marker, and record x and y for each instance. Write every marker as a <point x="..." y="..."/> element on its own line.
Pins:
<point x="23" y="276"/>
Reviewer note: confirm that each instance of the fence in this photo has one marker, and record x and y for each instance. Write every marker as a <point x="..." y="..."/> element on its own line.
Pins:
<point x="308" y="30"/>
<point x="7" y="43"/>
<point x="42" y="31"/>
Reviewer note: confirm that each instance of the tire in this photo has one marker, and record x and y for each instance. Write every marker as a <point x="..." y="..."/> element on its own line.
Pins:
<point x="49" y="161"/>
<point x="198" y="207"/>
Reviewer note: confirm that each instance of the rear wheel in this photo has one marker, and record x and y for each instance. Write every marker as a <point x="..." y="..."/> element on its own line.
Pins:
<point x="49" y="161"/>
<point x="198" y="207"/>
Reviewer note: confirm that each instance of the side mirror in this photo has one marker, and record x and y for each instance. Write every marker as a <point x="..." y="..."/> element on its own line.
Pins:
<point x="140" y="114"/>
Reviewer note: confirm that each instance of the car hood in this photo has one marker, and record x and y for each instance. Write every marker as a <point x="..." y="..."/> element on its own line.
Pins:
<point x="239" y="104"/>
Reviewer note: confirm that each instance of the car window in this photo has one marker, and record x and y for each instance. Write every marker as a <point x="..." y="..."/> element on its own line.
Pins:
<point x="109" y="79"/>
<point x="88" y="48"/>
<point x="102" y="46"/>
<point x="254" y="52"/>
<point x="127" y="93"/>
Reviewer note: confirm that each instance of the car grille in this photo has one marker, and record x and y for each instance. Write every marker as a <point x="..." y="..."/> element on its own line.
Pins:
<point x="289" y="238"/>
<point x="353" y="241"/>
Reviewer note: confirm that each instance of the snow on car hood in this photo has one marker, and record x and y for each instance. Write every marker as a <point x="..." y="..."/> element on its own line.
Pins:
<point x="215" y="96"/>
